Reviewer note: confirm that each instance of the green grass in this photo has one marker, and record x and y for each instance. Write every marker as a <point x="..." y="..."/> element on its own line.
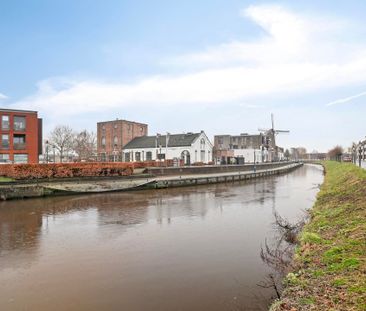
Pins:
<point x="5" y="179"/>
<point x="330" y="261"/>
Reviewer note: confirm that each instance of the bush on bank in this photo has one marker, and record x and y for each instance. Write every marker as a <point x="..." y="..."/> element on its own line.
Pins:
<point x="62" y="170"/>
<point x="79" y="169"/>
<point x="330" y="261"/>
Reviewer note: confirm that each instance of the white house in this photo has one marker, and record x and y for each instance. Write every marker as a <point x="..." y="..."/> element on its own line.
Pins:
<point x="251" y="155"/>
<point x="189" y="147"/>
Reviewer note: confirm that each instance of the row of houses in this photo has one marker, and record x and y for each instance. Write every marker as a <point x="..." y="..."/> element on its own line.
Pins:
<point x="128" y="141"/>
<point x="122" y="140"/>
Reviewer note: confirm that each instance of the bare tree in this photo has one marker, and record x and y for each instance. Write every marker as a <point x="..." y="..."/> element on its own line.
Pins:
<point x="279" y="256"/>
<point x="287" y="154"/>
<point x="85" y="144"/>
<point x="336" y="153"/>
<point x="61" y="138"/>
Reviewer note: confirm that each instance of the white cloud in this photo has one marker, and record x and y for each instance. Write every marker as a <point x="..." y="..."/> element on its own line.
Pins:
<point x="296" y="54"/>
<point x="3" y="97"/>
<point x="346" y="99"/>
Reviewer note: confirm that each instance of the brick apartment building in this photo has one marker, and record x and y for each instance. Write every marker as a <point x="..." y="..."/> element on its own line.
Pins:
<point x="21" y="136"/>
<point x="113" y="135"/>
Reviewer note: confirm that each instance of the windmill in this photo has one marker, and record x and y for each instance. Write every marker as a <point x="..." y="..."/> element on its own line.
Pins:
<point x="270" y="140"/>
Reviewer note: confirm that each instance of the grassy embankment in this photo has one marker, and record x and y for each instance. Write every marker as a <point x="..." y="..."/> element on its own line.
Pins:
<point x="330" y="260"/>
<point x="5" y="179"/>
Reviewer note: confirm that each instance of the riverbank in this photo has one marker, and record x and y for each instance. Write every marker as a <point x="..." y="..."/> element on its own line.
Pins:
<point x="196" y="176"/>
<point x="330" y="261"/>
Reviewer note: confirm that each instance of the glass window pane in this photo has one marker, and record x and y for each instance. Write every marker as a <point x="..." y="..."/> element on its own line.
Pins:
<point x="19" y="123"/>
<point x="19" y="141"/>
<point x="5" y="122"/>
<point x="138" y="156"/>
<point x="5" y="141"/>
<point x="20" y="158"/>
<point x="4" y="157"/>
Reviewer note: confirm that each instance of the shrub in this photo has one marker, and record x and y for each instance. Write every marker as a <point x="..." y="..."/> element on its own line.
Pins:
<point x="64" y="170"/>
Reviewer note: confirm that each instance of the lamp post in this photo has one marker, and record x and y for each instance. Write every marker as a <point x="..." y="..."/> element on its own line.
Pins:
<point x="47" y="146"/>
<point x="166" y="148"/>
<point x="254" y="167"/>
<point x="353" y="153"/>
<point x="156" y="145"/>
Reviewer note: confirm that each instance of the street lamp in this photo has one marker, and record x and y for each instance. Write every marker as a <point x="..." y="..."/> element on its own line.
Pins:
<point x="47" y="146"/>
<point x="156" y="145"/>
<point x="166" y="148"/>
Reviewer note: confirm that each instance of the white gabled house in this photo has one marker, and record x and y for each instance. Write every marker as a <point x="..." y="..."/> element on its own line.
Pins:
<point x="189" y="147"/>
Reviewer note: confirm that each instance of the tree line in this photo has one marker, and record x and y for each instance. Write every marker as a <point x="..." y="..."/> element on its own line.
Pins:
<point x="65" y="141"/>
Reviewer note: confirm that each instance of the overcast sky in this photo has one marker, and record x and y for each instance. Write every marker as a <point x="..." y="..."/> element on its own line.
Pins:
<point x="184" y="66"/>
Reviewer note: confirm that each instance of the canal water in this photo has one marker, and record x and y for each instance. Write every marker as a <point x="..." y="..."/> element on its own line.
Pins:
<point x="194" y="248"/>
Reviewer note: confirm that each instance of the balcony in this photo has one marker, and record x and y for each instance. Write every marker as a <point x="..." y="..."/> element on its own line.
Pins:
<point x="19" y="146"/>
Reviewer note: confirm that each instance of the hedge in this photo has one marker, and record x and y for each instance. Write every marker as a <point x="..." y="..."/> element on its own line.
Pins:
<point x="79" y="169"/>
<point x="63" y="170"/>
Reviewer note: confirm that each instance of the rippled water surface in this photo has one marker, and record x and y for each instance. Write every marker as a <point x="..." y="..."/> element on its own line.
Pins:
<point x="193" y="248"/>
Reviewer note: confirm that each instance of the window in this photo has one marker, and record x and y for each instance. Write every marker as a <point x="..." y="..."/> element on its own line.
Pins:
<point x="19" y="142"/>
<point x="20" y="158"/>
<point x="203" y="142"/>
<point x="5" y="122"/>
<point x="19" y="123"/>
<point x="138" y="156"/>
<point x="127" y="157"/>
<point x="148" y="156"/>
<point x="141" y="129"/>
<point x="5" y="141"/>
<point x="4" y="157"/>
<point x="103" y="141"/>
<point x="115" y="125"/>
<point x="115" y="140"/>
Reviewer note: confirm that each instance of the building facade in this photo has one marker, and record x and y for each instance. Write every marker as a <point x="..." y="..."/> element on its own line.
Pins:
<point x="241" y="148"/>
<point x="113" y="135"/>
<point x="190" y="148"/>
<point x="21" y="136"/>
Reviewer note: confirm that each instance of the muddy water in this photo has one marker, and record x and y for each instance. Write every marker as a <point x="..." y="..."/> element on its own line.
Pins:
<point x="191" y="248"/>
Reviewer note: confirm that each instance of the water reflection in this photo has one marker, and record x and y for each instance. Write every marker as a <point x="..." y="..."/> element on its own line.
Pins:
<point x="191" y="248"/>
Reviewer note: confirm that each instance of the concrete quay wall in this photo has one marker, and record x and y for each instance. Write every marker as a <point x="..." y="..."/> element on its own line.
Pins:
<point x="31" y="190"/>
<point x="210" y="169"/>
